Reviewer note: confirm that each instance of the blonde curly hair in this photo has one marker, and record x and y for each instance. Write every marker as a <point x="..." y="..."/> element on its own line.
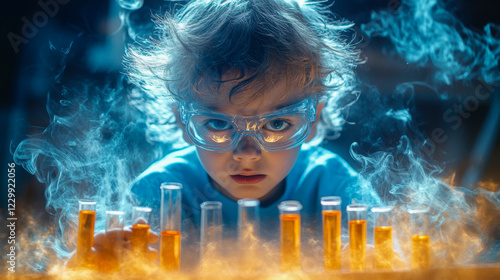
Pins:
<point x="262" y="40"/>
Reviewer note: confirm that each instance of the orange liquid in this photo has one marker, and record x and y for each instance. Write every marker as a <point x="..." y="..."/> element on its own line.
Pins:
<point x="420" y="251"/>
<point x="383" y="247"/>
<point x="86" y="226"/>
<point x="290" y="241"/>
<point x="331" y="236"/>
<point x="357" y="244"/>
<point x="170" y="249"/>
<point x="139" y="240"/>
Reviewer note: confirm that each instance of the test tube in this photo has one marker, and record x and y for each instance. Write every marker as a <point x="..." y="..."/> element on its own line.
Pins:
<point x="170" y="240"/>
<point x="140" y="231"/>
<point x="382" y="234"/>
<point x="86" y="226"/>
<point x="420" y="239"/>
<point x="290" y="234"/>
<point x="248" y="231"/>
<point x="356" y="214"/>
<point x="332" y="216"/>
<point x="211" y="229"/>
<point x="114" y="231"/>
<point x="113" y="238"/>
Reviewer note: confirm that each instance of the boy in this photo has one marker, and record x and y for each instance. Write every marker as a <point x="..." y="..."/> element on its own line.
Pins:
<point x="253" y="86"/>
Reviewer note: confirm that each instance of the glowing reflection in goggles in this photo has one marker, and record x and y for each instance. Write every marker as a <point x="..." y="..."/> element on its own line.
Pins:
<point x="272" y="139"/>
<point x="218" y="139"/>
<point x="251" y="126"/>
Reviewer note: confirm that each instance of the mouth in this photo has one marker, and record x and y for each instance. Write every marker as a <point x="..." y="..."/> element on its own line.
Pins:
<point x="246" y="180"/>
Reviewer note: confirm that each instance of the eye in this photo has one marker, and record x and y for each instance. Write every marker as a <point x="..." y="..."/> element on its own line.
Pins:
<point x="277" y="125"/>
<point x="218" y="124"/>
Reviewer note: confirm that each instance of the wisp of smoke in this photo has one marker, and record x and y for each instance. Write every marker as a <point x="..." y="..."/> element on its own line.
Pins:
<point x="93" y="148"/>
<point x="426" y="34"/>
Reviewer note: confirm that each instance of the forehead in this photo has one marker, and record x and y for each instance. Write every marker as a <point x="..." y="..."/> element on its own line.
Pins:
<point x="255" y="98"/>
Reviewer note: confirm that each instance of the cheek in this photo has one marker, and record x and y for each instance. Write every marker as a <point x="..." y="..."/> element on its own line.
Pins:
<point x="216" y="164"/>
<point x="283" y="161"/>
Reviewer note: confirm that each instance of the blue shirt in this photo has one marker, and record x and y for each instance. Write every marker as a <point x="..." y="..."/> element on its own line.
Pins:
<point x="317" y="172"/>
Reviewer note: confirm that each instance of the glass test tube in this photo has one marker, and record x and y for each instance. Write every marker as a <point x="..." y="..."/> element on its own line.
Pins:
<point x="86" y="224"/>
<point x="420" y="239"/>
<point x="290" y="234"/>
<point x="248" y="230"/>
<point x="140" y="231"/>
<point x="332" y="228"/>
<point x="211" y="228"/>
<point x="114" y="231"/>
<point x="382" y="234"/>
<point x="113" y="241"/>
<point x="356" y="214"/>
<point x="170" y="237"/>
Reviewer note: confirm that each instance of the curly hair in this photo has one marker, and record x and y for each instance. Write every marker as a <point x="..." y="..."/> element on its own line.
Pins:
<point x="265" y="41"/>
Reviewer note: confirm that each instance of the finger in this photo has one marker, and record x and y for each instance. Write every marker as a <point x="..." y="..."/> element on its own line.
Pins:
<point x="153" y="237"/>
<point x="127" y="232"/>
<point x="139" y="221"/>
<point x="113" y="237"/>
<point x="99" y="240"/>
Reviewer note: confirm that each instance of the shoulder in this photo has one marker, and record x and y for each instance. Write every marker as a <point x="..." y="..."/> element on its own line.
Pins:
<point x="320" y="172"/>
<point x="320" y="160"/>
<point x="172" y="168"/>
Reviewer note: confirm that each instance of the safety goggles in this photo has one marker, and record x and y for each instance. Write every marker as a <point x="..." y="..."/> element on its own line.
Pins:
<point x="282" y="129"/>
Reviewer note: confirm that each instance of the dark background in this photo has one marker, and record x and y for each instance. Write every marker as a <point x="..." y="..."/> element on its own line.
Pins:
<point x="97" y="47"/>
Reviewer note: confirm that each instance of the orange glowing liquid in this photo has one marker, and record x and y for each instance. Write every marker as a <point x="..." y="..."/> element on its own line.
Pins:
<point x="170" y="249"/>
<point x="383" y="247"/>
<point x="290" y="241"/>
<point x="357" y="244"/>
<point x="139" y="240"/>
<point x="85" y="232"/>
<point x="331" y="235"/>
<point x="420" y="251"/>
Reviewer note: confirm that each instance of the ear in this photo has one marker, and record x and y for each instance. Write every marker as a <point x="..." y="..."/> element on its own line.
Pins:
<point x="319" y="109"/>
<point x="177" y="115"/>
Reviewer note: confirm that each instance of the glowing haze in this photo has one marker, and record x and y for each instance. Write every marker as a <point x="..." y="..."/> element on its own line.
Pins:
<point x="97" y="143"/>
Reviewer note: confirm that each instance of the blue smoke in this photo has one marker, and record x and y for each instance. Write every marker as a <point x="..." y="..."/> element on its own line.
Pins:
<point x="93" y="148"/>
<point x="424" y="33"/>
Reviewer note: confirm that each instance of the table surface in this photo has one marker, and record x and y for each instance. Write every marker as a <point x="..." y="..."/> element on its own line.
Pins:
<point x="442" y="273"/>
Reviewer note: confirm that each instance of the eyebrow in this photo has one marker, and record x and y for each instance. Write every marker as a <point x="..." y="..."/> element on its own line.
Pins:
<point x="286" y="104"/>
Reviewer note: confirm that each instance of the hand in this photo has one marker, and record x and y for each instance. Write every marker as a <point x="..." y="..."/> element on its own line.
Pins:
<point x="111" y="251"/>
<point x="107" y="242"/>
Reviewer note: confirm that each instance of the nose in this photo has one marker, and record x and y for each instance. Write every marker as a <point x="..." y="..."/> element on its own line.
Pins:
<point x="247" y="150"/>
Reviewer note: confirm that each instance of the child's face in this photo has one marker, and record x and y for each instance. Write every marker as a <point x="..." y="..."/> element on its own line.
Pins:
<point x="248" y="171"/>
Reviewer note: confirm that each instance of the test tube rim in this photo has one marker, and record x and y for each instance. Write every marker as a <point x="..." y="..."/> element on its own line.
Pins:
<point x="290" y="205"/>
<point x="249" y="202"/>
<point x="87" y="202"/>
<point x="142" y="209"/>
<point x="114" y="212"/>
<point x="382" y="209"/>
<point x="211" y="205"/>
<point x="357" y="207"/>
<point x="418" y="210"/>
<point x="171" y="186"/>
<point x="331" y="200"/>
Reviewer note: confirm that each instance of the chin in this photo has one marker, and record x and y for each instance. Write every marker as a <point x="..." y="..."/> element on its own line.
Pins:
<point x="248" y="194"/>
